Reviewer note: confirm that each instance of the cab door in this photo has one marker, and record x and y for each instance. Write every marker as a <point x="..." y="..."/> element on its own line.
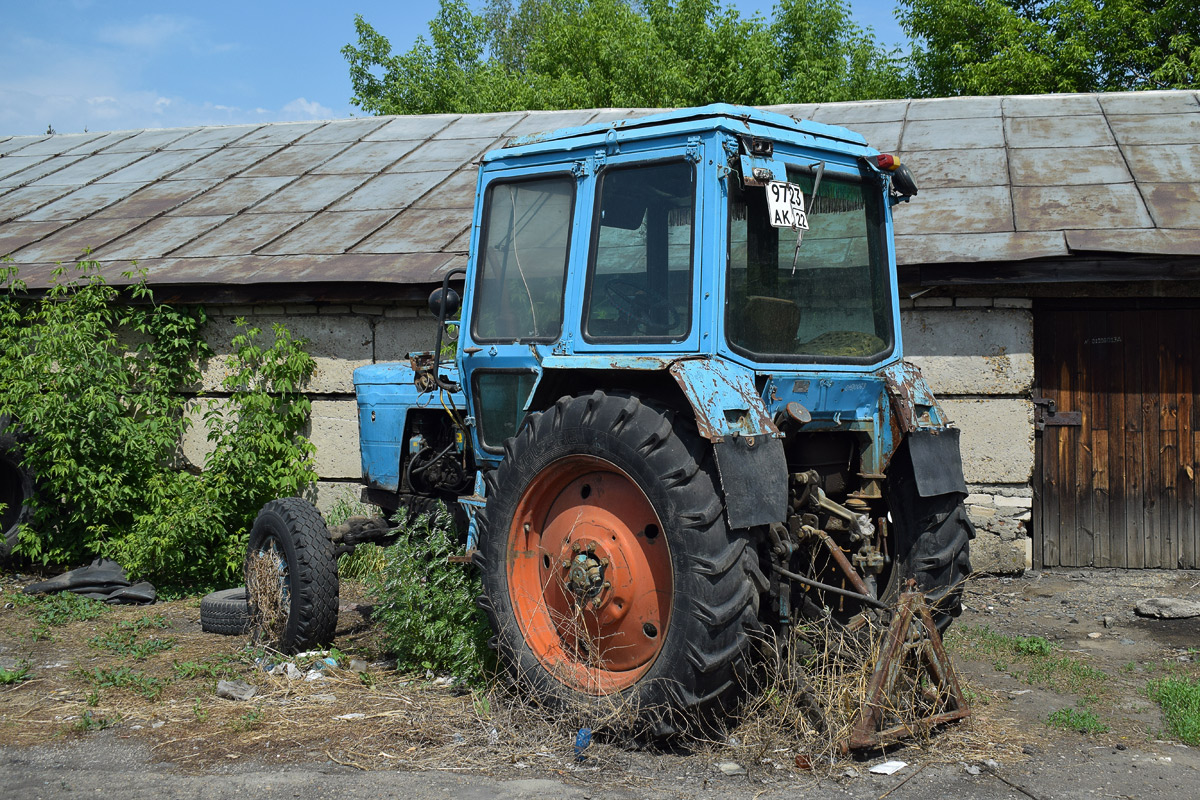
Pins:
<point x="515" y="293"/>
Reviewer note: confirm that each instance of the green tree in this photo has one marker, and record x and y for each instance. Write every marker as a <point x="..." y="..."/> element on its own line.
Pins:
<point x="977" y="47"/>
<point x="552" y="54"/>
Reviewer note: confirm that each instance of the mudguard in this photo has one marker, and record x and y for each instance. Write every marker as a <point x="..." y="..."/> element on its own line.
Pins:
<point x="937" y="461"/>
<point x="750" y="459"/>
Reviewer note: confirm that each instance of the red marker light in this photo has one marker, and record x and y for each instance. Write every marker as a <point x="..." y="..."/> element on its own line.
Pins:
<point x="887" y="161"/>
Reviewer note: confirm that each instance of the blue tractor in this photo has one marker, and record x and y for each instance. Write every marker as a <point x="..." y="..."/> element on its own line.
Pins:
<point x="677" y="414"/>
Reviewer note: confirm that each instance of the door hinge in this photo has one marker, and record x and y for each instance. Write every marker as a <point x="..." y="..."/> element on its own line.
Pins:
<point x="693" y="149"/>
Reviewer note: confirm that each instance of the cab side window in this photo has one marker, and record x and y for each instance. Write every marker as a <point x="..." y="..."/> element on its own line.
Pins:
<point x="523" y="260"/>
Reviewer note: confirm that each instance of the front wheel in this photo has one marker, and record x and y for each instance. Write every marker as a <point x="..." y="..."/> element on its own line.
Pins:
<point x="608" y="570"/>
<point x="291" y="576"/>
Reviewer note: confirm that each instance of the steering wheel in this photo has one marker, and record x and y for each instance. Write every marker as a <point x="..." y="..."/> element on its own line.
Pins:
<point x="638" y="306"/>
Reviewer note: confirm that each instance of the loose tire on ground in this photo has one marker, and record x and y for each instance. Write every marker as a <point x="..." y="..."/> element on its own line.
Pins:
<point x="226" y="612"/>
<point x="16" y="489"/>
<point x="607" y="566"/>
<point x="293" y="534"/>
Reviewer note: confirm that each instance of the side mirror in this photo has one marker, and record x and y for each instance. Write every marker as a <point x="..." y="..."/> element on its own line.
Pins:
<point x="452" y="300"/>
<point x="903" y="181"/>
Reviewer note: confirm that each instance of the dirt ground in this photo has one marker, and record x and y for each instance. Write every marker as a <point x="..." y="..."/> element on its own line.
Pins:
<point x="102" y="707"/>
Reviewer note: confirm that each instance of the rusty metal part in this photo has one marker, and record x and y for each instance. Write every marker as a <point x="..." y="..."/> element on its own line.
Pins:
<point x="912" y="645"/>
<point x="843" y="563"/>
<point x="825" y="587"/>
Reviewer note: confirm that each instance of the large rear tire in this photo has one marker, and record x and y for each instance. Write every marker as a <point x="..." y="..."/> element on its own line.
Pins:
<point x="296" y="605"/>
<point x="608" y="570"/>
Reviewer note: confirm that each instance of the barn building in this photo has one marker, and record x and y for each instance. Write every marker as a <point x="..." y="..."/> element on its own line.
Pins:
<point x="1049" y="269"/>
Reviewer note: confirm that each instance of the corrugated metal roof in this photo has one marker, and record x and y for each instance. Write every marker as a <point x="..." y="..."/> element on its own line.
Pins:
<point x="388" y="199"/>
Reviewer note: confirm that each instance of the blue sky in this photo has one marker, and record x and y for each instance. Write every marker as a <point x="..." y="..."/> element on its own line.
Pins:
<point x="118" y="64"/>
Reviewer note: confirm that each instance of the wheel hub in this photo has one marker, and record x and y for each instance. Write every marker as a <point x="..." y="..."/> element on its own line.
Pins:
<point x="585" y="576"/>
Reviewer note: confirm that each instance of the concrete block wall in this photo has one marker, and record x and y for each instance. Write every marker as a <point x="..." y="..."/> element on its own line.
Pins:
<point x="977" y="355"/>
<point x="340" y="339"/>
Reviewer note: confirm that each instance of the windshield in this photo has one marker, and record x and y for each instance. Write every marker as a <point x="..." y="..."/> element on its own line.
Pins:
<point x="827" y="301"/>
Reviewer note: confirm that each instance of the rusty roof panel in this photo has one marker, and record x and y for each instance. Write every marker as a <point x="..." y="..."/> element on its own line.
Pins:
<point x="450" y="154"/>
<point x="10" y="165"/>
<point x="155" y="166"/>
<point x="947" y="169"/>
<point x="546" y="121"/>
<point x="481" y="126"/>
<point x="461" y="243"/>
<point x="953" y="108"/>
<point x="1169" y="102"/>
<point x="796" y="110"/>
<point x="421" y="127"/>
<point x="1173" y="205"/>
<point x="83" y="202"/>
<point x="243" y="234"/>
<point x="1156" y="128"/>
<point x="883" y="136"/>
<point x="296" y="159"/>
<point x="367" y="157"/>
<point x="329" y="233"/>
<point x="343" y="131"/>
<point x="846" y="114"/>
<point x="149" y="140"/>
<point x="44" y="166"/>
<point x="60" y="143"/>
<point x="69" y="244"/>
<point x="17" y="143"/>
<point x="27" y="199"/>
<point x="231" y="196"/>
<point x="1050" y="105"/>
<point x="1040" y="208"/>
<point x="89" y="169"/>
<point x="1161" y="163"/>
<point x="417" y="231"/>
<point x="225" y="162"/>
<point x="951" y="248"/>
<point x="279" y="133"/>
<point x="211" y="137"/>
<point x="158" y="237"/>
<point x="1066" y="166"/>
<point x="15" y="235"/>
<point x="982" y="209"/>
<point x="961" y="134"/>
<point x="310" y="193"/>
<point x="1157" y="242"/>
<point x="155" y="199"/>
<point x="1089" y="130"/>
<point x="458" y="192"/>
<point x="392" y="191"/>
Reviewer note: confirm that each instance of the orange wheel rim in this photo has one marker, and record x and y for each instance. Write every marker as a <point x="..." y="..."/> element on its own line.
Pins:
<point x="589" y="574"/>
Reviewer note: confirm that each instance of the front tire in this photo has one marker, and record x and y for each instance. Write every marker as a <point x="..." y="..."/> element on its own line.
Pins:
<point x="608" y="570"/>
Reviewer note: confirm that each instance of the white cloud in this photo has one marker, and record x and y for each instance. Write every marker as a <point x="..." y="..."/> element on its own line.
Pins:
<point x="147" y="33"/>
<point x="303" y="108"/>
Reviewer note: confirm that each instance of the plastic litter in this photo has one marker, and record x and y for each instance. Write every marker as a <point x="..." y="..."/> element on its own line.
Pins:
<point x="888" y="767"/>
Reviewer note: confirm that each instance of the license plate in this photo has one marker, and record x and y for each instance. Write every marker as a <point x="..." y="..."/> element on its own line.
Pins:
<point x="785" y="205"/>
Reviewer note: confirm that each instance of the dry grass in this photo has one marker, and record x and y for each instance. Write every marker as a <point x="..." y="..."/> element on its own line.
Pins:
<point x="265" y="589"/>
<point x="385" y="720"/>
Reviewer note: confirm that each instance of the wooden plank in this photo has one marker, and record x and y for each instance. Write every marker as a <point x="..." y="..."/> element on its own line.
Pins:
<point x="1065" y="447"/>
<point x="1100" y="494"/>
<point x="1117" y="535"/>
<point x="1132" y="457"/>
<point x="1045" y="365"/>
<point x="1077" y="439"/>
<point x="1167" y="495"/>
<point x="1186" y="388"/>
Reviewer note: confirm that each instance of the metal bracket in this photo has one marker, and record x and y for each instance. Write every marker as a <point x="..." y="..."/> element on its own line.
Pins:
<point x="598" y="160"/>
<point x="611" y="145"/>
<point x="579" y="169"/>
<point x="693" y="149"/>
<point x="1046" y="413"/>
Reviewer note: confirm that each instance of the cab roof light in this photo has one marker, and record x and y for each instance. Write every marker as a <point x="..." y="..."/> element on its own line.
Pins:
<point x="887" y="161"/>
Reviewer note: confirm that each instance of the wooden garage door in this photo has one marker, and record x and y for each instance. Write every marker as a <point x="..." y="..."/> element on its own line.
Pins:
<point x="1116" y="465"/>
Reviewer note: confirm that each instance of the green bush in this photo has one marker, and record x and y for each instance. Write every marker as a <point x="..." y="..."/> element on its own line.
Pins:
<point x="427" y="606"/>
<point x="95" y="377"/>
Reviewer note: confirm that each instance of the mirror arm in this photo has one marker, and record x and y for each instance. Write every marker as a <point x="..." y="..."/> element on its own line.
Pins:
<point x="444" y="383"/>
